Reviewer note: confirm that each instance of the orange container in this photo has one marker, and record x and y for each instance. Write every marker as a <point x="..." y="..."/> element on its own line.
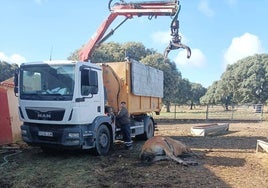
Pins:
<point x="140" y="86"/>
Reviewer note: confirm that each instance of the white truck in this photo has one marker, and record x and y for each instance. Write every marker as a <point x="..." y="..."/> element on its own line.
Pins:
<point x="65" y="104"/>
<point x="72" y="104"/>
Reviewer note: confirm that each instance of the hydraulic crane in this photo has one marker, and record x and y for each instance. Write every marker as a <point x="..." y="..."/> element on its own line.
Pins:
<point x="129" y="10"/>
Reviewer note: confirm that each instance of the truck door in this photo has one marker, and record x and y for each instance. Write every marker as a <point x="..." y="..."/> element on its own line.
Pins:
<point x="91" y="91"/>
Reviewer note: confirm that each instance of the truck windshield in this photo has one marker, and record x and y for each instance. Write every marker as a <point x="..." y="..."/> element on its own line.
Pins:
<point x="47" y="82"/>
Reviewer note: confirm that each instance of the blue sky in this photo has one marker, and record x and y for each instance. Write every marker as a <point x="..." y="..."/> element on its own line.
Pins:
<point x="219" y="32"/>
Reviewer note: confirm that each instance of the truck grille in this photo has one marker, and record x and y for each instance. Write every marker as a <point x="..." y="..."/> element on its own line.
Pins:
<point x="48" y="114"/>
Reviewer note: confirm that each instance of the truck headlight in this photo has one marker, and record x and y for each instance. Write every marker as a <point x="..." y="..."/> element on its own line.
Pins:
<point x="73" y="135"/>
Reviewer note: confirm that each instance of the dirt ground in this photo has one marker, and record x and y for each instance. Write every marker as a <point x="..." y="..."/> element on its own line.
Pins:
<point x="229" y="160"/>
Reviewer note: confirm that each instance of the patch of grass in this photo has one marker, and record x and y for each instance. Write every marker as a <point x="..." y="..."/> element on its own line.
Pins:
<point x="213" y="112"/>
<point x="49" y="170"/>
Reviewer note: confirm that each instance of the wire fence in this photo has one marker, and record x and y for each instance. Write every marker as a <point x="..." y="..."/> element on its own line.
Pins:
<point x="255" y="112"/>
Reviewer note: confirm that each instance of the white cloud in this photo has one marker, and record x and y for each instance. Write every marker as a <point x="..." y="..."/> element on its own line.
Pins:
<point x="3" y="57"/>
<point x="241" y="47"/>
<point x="14" y="58"/>
<point x="161" y="37"/>
<point x="164" y="37"/>
<point x="197" y="59"/>
<point x="205" y="8"/>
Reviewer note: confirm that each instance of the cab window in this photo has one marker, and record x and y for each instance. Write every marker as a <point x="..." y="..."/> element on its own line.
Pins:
<point x="89" y="82"/>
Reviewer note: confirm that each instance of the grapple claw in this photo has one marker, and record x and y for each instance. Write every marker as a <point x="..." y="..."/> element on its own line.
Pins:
<point x="175" y="42"/>
<point x="174" y="46"/>
<point x="189" y="52"/>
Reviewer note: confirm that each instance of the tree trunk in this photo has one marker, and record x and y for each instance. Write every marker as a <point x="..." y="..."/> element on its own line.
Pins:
<point x="191" y="107"/>
<point x="168" y="107"/>
<point x="226" y="107"/>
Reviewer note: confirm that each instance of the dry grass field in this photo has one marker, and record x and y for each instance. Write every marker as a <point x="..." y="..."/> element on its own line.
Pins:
<point x="229" y="160"/>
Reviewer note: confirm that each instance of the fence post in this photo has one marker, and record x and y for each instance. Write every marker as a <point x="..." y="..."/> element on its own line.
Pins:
<point x="207" y="113"/>
<point x="232" y="112"/>
<point x="175" y="112"/>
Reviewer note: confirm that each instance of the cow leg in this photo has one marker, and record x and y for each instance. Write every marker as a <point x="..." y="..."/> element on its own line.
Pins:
<point x="170" y="157"/>
<point x="192" y="163"/>
<point x="177" y="159"/>
<point x="160" y="158"/>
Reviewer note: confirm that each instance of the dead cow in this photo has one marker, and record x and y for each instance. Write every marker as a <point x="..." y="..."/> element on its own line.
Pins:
<point x="160" y="148"/>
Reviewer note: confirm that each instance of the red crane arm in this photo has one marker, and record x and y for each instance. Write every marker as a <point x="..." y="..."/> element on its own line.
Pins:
<point x="87" y="50"/>
<point x="151" y="9"/>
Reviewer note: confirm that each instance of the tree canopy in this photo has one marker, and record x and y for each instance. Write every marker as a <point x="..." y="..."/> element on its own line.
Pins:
<point x="196" y="92"/>
<point x="6" y="70"/>
<point x="246" y="81"/>
<point x="112" y="52"/>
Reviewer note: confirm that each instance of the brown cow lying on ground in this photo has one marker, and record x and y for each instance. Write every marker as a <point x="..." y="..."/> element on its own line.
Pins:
<point x="160" y="148"/>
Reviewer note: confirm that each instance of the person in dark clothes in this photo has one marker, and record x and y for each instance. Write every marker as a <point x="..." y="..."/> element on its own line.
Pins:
<point x="124" y="122"/>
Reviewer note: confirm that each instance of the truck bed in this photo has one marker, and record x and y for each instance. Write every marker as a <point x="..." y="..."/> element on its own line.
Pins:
<point x="130" y="81"/>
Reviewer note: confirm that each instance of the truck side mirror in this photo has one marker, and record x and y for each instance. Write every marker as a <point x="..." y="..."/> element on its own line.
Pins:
<point x="16" y="81"/>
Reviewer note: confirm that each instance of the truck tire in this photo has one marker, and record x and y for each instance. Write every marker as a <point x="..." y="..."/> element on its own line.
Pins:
<point x="103" y="140"/>
<point x="148" y="131"/>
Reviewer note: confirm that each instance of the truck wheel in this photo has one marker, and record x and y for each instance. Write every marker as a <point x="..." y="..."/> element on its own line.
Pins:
<point x="149" y="129"/>
<point x="148" y="132"/>
<point x="103" y="140"/>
